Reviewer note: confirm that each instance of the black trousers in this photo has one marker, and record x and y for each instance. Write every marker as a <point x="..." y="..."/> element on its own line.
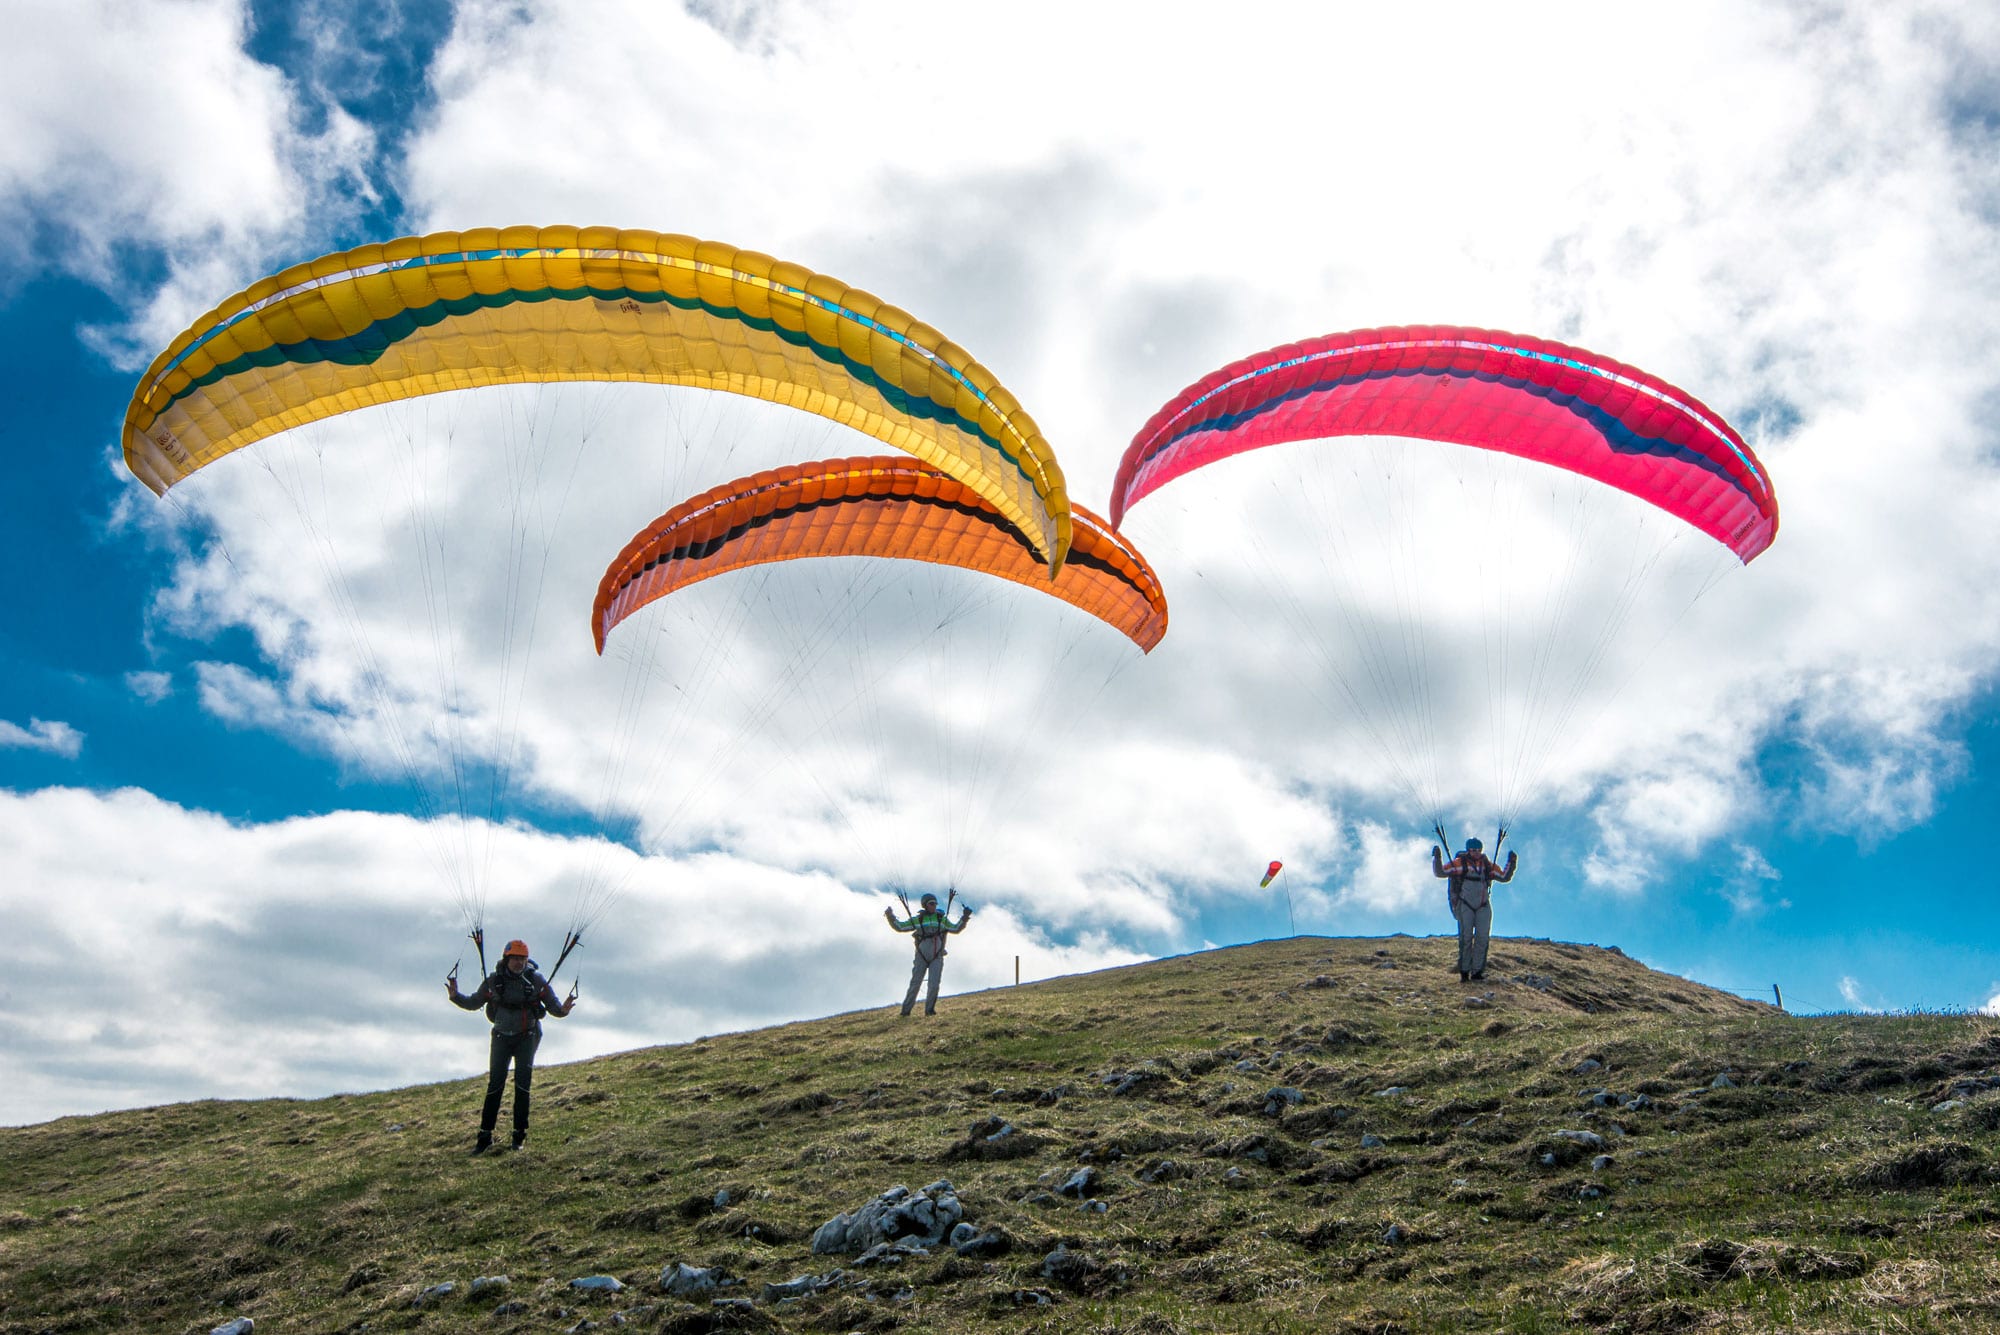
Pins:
<point x="519" y="1049"/>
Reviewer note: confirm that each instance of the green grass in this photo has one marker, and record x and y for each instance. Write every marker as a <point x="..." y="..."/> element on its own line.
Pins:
<point x="1819" y="1194"/>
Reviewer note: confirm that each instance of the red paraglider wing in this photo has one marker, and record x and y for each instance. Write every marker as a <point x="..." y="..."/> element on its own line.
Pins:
<point x="1506" y="392"/>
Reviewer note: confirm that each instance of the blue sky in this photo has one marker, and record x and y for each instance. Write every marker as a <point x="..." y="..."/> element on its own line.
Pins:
<point x="1792" y="213"/>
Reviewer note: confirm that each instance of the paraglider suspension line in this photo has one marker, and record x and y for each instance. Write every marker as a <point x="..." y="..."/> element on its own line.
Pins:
<point x="570" y="942"/>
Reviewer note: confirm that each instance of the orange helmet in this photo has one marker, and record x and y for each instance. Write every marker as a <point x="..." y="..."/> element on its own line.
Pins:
<point x="515" y="948"/>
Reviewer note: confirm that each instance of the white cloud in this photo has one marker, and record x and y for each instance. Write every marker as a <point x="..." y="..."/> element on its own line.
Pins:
<point x="134" y="132"/>
<point x="57" y="738"/>
<point x="1698" y="230"/>
<point x="1858" y="997"/>
<point x="1391" y="873"/>
<point x="152" y="687"/>
<point x="1752" y="886"/>
<point x="1804" y="236"/>
<point x="1992" y="1003"/>
<point x="249" y="926"/>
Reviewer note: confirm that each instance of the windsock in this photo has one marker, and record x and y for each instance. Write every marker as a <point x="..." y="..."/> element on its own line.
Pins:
<point x="1270" y="873"/>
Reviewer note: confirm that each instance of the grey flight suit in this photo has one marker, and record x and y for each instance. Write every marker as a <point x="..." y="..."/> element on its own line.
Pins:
<point x="1470" y="875"/>
<point x="931" y="927"/>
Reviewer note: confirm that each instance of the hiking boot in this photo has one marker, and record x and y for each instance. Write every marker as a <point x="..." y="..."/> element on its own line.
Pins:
<point x="520" y="1140"/>
<point x="484" y="1143"/>
<point x="1464" y="977"/>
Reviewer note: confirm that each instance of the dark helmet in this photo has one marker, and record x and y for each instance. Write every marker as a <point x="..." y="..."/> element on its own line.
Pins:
<point x="1474" y="846"/>
<point x="930" y="901"/>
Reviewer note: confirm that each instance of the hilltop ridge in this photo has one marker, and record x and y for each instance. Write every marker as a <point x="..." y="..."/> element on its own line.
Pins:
<point x="1305" y="1134"/>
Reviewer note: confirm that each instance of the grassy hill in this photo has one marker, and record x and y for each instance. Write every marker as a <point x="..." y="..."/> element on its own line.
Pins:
<point x="1409" y="1173"/>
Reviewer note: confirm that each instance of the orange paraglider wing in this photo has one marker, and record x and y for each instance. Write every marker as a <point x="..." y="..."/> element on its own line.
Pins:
<point x="888" y="507"/>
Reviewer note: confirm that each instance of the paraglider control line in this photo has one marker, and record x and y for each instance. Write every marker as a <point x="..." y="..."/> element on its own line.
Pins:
<point x="571" y="942"/>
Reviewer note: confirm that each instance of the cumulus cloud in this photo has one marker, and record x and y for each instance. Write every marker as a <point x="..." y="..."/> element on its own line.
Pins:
<point x="1388" y="875"/>
<point x="152" y="687"/>
<point x="1992" y="1003"/>
<point x="55" y="737"/>
<point x="252" y="927"/>
<point x="141" y="139"/>
<point x="1698" y="234"/>
<point x="1805" y="239"/>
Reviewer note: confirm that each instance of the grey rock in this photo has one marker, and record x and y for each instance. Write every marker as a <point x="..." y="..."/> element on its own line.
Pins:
<point x="891" y="1253"/>
<point x="926" y="1217"/>
<point x="722" y="1199"/>
<point x="436" y="1293"/>
<point x="686" y="1281"/>
<point x="743" y="1305"/>
<point x="1604" y="1098"/>
<point x="1587" y="1065"/>
<point x="242" y="1325"/>
<point x="1396" y="1235"/>
<point x="1590" y="1193"/>
<point x="802" y="1286"/>
<point x="580" y="1327"/>
<point x="1601" y="1163"/>
<point x="1084" y="1182"/>
<point x="1391" y="1092"/>
<point x="1286" y="1095"/>
<point x="1588" y="1139"/>
<point x="1548" y="1161"/>
<point x="513" y="1308"/>
<point x="1246" y="1066"/>
<point x="487" y="1284"/>
<point x="1373" y="1142"/>
<point x="596" y="1284"/>
<point x="1478" y="1003"/>
<point x="1637" y="1103"/>
<point x="1722" y="1082"/>
<point x="1948" y="1105"/>
<point x="980" y="1244"/>
<point x="1094" y="1207"/>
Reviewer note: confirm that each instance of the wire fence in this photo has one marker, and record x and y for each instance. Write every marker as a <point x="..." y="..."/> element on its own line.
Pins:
<point x="1792" y="1003"/>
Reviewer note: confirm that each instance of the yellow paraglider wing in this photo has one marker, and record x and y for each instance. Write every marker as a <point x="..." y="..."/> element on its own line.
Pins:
<point x="459" y="310"/>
